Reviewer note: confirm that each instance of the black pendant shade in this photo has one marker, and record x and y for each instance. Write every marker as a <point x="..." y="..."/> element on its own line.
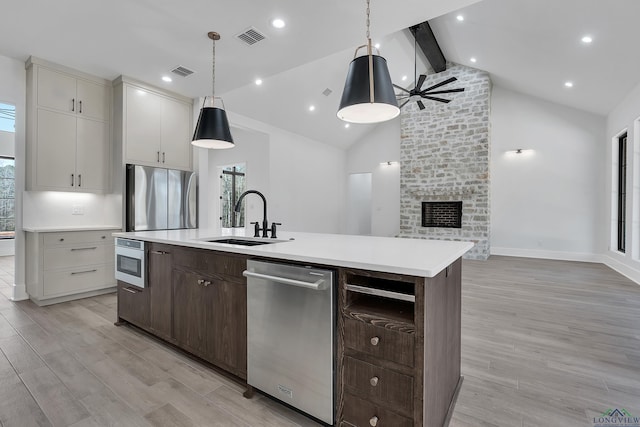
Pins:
<point x="357" y="105"/>
<point x="212" y="130"/>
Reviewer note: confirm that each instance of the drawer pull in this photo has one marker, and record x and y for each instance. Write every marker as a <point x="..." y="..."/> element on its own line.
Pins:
<point x="206" y="283"/>
<point x="200" y="281"/>
<point x="84" y="249"/>
<point x="374" y="381"/>
<point x="131" y="291"/>
<point x="84" y="272"/>
<point x="159" y="252"/>
<point x="375" y="341"/>
<point x="62" y="240"/>
<point x="373" y="421"/>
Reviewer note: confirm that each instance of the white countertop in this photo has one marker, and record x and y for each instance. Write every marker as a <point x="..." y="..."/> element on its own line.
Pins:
<point x="71" y="228"/>
<point x="415" y="257"/>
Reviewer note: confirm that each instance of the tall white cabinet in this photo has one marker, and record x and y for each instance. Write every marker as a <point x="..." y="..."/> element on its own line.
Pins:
<point x="68" y="129"/>
<point x="152" y="126"/>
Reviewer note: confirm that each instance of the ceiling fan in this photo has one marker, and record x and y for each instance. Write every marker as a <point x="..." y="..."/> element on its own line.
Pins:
<point x="417" y="91"/>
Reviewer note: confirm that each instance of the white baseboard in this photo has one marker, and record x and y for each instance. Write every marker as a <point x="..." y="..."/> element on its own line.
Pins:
<point x="19" y="293"/>
<point x="624" y="269"/>
<point x="543" y="254"/>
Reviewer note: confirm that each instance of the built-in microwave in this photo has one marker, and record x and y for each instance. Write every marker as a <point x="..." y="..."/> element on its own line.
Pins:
<point x="130" y="262"/>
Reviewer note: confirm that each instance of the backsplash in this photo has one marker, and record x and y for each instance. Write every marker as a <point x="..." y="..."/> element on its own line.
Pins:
<point x="444" y="153"/>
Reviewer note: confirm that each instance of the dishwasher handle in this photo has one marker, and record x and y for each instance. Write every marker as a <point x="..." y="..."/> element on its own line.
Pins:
<point x="319" y="285"/>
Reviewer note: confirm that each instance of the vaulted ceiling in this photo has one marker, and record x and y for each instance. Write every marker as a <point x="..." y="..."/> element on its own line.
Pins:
<point x="531" y="46"/>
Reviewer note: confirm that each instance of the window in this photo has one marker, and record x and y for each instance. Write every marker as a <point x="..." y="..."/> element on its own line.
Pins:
<point x="622" y="191"/>
<point x="232" y="185"/>
<point x="7" y="172"/>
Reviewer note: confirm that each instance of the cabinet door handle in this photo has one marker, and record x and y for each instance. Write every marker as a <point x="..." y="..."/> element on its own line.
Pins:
<point x="206" y="283"/>
<point x="159" y="252"/>
<point x="373" y="422"/>
<point x="80" y="107"/>
<point x="84" y="272"/>
<point x="158" y="157"/>
<point x="72" y="180"/>
<point x="163" y="157"/>
<point x="200" y="281"/>
<point x="73" y="104"/>
<point x="375" y="341"/>
<point x="84" y="249"/>
<point x="374" y="381"/>
<point x="131" y="291"/>
<point x="79" y="180"/>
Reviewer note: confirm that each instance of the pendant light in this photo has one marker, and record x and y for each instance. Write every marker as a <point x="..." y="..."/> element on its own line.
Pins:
<point x="368" y="95"/>
<point x="212" y="130"/>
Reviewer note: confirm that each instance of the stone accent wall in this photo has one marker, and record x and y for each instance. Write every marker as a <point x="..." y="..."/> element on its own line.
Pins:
<point x="445" y="157"/>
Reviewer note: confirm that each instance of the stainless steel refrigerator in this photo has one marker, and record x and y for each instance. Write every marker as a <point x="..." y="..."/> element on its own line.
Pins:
<point x="160" y="199"/>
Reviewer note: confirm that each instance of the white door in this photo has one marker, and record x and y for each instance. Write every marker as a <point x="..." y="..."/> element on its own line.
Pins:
<point x="143" y="123"/>
<point x="56" y="90"/>
<point x="56" y="151"/>
<point x="176" y="138"/>
<point x="92" y="159"/>
<point x="93" y="100"/>
<point x="359" y="204"/>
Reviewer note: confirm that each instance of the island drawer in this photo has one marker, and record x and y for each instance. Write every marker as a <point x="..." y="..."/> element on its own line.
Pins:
<point x="378" y="384"/>
<point x="379" y="342"/>
<point x="206" y="261"/>
<point x="363" y="413"/>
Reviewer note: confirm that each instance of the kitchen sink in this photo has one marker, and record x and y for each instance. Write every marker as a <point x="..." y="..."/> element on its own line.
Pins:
<point x="242" y="242"/>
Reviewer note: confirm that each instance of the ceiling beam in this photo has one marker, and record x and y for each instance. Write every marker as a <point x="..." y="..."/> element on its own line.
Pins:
<point x="429" y="46"/>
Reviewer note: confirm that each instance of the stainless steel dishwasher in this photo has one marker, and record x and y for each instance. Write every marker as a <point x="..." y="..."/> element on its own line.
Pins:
<point x="291" y="335"/>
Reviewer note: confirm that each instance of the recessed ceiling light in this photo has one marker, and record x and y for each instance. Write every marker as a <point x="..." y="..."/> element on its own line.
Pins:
<point x="474" y="60"/>
<point x="278" y="23"/>
<point x="167" y="79"/>
<point x="312" y="107"/>
<point x="258" y="82"/>
<point x="377" y="45"/>
<point x="347" y="125"/>
<point x="587" y="39"/>
<point x="460" y="18"/>
<point x="568" y="84"/>
<point x="404" y="78"/>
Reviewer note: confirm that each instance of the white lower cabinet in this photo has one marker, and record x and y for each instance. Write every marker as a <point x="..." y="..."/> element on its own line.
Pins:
<point x="66" y="265"/>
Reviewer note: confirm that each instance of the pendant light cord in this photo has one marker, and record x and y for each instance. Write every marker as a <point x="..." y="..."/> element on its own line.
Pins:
<point x="368" y="19"/>
<point x="213" y="74"/>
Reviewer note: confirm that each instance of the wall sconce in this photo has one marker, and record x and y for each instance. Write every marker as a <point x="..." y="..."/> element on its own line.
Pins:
<point x="389" y="163"/>
<point x="519" y="152"/>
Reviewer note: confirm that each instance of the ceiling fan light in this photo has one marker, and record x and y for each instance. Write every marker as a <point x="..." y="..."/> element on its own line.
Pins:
<point x="358" y="103"/>
<point x="212" y="130"/>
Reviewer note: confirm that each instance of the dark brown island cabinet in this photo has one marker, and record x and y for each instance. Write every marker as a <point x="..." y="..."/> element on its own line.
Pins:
<point x="398" y="336"/>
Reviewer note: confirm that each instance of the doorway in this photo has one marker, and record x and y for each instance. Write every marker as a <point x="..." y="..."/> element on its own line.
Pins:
<point x="359" y="204"/>
<point x="7" y="179"/>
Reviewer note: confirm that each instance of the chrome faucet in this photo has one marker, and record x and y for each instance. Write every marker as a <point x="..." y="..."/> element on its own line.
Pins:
<point x="265" y="223"/>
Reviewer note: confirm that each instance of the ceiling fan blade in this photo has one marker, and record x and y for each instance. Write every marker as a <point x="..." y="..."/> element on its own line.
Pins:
<point x="446" y="82"/>
<point x="400" y="97"/>
<point x="420" y="105"/>
<point x="421" y="80"/>
<point x="424" y="92"/>
<point x="404" y="103"/>
<point x="401" y="88"/>
<point x="433" y="98"/>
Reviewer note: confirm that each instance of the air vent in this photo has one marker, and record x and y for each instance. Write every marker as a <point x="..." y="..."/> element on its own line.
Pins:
<point x="182" y="71"/>
<point x="251" y="36"/>
<point x="327" y="92"/>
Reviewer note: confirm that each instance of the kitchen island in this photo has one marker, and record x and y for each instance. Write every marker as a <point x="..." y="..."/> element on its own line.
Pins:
<point x="397" y="358"/>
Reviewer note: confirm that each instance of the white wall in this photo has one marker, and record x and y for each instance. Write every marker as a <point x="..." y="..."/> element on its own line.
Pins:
<point x="252" y="149"/>
<point x="380" y="145"/>
<point x="625" y="117"/>
<point x="303" y="180"/>
<point x="547" y="202"/>
<point x="13" y="91"/>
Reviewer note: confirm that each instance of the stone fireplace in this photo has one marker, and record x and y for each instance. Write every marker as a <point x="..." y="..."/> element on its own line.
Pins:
<point x="444" y="157"/>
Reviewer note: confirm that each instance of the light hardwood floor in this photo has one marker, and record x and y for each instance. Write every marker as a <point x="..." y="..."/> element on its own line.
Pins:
<point x="545" y="343"/>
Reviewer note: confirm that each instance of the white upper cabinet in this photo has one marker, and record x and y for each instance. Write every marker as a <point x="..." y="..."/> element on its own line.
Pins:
<point x="68" y="125"/>
<point x="155" y="126"/>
